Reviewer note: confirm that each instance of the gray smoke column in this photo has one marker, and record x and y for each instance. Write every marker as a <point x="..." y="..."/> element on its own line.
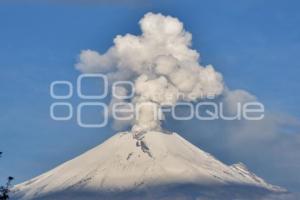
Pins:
<point x="161" y="64"/>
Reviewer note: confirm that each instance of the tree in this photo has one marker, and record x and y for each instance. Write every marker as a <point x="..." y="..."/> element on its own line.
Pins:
<point x="4" y="190"/>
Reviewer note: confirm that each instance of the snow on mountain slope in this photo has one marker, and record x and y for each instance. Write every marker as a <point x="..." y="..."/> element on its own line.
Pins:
<point x="124" y="163"/>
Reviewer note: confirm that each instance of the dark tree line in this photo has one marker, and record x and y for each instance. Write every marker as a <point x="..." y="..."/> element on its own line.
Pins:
<point x="4" y="190"/>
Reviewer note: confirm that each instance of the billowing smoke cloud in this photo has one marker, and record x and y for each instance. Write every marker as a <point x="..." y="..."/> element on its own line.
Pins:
<point x="160" y="62"/>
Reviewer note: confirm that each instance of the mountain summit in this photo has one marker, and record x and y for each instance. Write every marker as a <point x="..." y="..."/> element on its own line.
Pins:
<point x="155" y="165"/>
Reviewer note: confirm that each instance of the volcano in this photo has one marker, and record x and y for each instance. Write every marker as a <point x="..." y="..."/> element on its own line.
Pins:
<point x="155" y="165"/>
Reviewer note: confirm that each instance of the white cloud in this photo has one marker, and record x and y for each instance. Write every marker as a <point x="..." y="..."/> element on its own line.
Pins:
<point x="160" y="61"/>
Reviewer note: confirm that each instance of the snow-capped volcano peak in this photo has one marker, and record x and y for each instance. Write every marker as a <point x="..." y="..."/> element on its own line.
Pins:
<point x="126" y="164"/>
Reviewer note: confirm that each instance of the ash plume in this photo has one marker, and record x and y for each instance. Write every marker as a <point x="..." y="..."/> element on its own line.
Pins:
<point x="161" y="64"/>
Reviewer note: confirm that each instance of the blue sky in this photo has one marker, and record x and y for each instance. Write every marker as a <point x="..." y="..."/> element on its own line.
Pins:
<point x="255" y="44"/>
